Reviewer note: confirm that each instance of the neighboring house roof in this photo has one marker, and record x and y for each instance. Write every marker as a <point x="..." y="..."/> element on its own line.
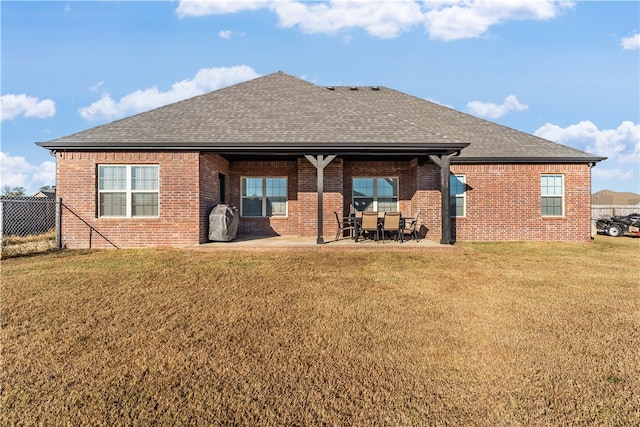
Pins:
<point x="279" y="113"/>
<point x="608" y="197"/>
<point x="45" y="193"/>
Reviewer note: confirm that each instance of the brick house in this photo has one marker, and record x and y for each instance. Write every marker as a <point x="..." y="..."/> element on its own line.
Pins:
<point x="289" y="153"/>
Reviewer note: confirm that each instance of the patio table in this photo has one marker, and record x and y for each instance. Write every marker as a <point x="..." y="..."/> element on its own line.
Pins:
<point x="357" y="221"/>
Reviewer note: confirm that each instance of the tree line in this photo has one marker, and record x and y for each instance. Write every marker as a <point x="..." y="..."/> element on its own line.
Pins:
<point x="9" y="191"/>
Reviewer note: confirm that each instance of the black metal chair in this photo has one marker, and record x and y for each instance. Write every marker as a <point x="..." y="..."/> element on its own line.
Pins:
<point x="343" y="224"/>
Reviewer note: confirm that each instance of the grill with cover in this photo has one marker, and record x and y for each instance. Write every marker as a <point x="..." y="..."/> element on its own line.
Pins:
<point x="223" y="223"/>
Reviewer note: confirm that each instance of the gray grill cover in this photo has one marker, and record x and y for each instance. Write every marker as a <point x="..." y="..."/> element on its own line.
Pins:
<point x="223" y="223"/>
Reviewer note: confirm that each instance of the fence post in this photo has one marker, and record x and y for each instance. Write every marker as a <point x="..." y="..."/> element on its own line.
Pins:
<point x="1" y="221"/>
<point x="59" y="223"/>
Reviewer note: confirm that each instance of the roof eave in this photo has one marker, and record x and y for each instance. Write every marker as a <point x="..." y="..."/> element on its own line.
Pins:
<point x="269" y="148"/>
<point x="533" y="159"/>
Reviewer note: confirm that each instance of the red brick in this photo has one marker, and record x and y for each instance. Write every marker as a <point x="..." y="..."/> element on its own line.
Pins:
<point x="502" y="200"/>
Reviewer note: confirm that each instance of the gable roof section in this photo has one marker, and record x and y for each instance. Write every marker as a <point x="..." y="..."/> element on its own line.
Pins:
<point x="279" y="113"/>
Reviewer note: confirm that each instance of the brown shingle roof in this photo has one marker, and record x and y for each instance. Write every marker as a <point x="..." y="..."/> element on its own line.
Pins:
<point x="608" y="197"/>
<point x="488" y="141"/>
<point x="278" y="112"/>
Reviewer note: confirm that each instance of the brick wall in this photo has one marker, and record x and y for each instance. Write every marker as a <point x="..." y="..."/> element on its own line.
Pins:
<point x="178" y="224"/>
<point x="211" y="166"/>
<point x="502" y="201"/>
<point x="266" y="226"/>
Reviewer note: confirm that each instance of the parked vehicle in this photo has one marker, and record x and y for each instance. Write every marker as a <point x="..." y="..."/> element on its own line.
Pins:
<point x="617" y="226"/>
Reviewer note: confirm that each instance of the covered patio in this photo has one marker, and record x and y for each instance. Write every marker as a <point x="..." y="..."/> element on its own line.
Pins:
<point x="247" y="242"/>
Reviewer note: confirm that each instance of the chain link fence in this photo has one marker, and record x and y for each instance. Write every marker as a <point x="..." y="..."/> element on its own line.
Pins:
<point x="26" y="216"/>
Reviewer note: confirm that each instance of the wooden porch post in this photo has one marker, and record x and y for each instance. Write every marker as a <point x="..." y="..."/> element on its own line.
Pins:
<point x="320" y="163"/>
<point x="444" y="162"/>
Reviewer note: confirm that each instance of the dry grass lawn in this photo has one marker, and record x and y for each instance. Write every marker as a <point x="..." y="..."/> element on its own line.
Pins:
<point x="13" y="246"/>
<point x="502" y="334"/>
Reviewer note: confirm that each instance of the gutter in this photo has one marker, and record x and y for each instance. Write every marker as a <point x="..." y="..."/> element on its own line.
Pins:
<point x="592" y="160"/>
<point x="269" y="148"/>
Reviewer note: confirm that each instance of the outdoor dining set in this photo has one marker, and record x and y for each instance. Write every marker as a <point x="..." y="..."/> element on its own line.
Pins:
<point x="378" y="225"/>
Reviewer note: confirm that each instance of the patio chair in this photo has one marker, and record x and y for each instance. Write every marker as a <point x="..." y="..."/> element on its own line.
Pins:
<point x="411" y="227"/>
<point x="370" y="224"/>
<point x="391" y="224"/>
<point x="343" y="224"/>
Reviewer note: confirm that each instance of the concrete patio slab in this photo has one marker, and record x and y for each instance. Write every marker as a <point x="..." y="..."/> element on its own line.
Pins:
<point x="309" y="243"/>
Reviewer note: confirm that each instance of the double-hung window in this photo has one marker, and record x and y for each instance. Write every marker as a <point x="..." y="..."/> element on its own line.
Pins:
<point x="128" y="190"/>
<point x="264" y="196"/>
<point x="552" y="191"/>
<point x="457" y="186"/>
<point x="379" y="194"/>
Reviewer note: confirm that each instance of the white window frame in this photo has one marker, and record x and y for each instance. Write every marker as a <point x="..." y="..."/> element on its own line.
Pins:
<point x="374" y="204"/>
<point x="128" y="191"/>
<point x="556" y="194"/>
<point x="454" y="196"/>
<point x="264" y="197"/>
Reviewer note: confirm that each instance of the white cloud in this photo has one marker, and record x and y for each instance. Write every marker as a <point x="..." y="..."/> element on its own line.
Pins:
<point x="631" y="42"/>
<point x="225" y="34"/>
<point x="383" y="19"/>
<point x="96" y="86"/>
<point x="613" y="174"/>
<point x="11" y="106"/>
<point x="16" y="171"/>
<point x="205" y="80"/>
<point x="451" y="20"/>
<point x="494" y="111"/>
<point x="443" y="19"/>
<point x="228" y="34"/>
<point x="621" y="144"/>
<point x="217" y="7"/>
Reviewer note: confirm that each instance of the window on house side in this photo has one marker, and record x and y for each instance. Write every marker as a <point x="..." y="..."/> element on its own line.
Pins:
<point x="264" y="196"/>
<point x="128" y="190"/>
<point x="457" y="189"/>
<point x="552" y="190"/>
<point x="377" y="194"/>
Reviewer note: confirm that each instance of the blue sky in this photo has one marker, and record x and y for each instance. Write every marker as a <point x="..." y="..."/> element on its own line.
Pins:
<point x="566" y="71"/>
